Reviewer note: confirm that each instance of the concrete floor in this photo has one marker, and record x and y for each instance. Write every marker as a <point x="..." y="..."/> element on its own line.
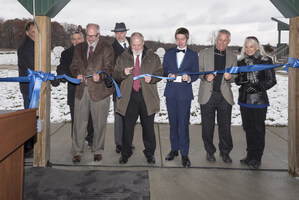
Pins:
<point x="204" y="180"/>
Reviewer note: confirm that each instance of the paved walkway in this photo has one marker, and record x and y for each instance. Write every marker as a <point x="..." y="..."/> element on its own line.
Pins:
<point x="204" y="180"/>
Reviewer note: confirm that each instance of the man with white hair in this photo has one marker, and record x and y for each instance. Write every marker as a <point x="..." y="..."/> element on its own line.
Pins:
<point x="139" y="97"/>
<point x="215" y="96"/>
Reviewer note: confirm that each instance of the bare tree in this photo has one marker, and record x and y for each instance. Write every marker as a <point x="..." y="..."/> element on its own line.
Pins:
<point x="212" y="37"/>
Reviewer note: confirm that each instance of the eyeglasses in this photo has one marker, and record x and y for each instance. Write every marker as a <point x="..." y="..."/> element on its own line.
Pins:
<point x="252" y="38"/>
<point x="91" y="36"/>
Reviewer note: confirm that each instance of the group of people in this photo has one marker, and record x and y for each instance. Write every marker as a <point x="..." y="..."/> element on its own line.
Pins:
<point x="127" y="58"/>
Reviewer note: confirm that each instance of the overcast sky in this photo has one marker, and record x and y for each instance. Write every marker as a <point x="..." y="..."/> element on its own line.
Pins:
<point x="158" y="19"/>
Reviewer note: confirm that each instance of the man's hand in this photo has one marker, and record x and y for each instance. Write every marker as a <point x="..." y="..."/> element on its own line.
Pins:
<point x="96" y="77"/>
<point x="80" y="77"/>
<point x="227" y="76"/>
<point x="128" y="70"/>
<point x="171" y="76"/>
<point x="185" y="77"/>
<point x="210" y="77"/>
<point x="147" y="79"/>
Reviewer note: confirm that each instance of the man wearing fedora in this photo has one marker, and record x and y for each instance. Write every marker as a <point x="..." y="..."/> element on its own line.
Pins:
<point x="120" y="44"/>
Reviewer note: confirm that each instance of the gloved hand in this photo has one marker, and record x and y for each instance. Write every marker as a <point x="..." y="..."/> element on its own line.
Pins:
<point x="251" y="89"/>
<point x="108" y="82"/>
<point x="241" y="79"/>
<point x="102" y="76"/>
<point x="55" y="82"/>
<point x="63" y="80"/>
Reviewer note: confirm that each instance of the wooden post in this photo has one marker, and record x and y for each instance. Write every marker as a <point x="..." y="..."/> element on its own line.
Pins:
<point x="293" y="153"/>
<point x="42" y="145"/>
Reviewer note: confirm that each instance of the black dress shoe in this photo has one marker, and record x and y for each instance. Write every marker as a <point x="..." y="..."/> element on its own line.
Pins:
<point x="172" y="154"/>
<point x="245" y="160"/>
<point x="97" y="157"/>
<point x="118" y="148"/>
<point x="151" y="159"/>
<point x="76" y="159"/>
<point x="123" y="160"/>
<point x="226" y="158"/>
<point x="210" y="157"/>
<point x="185" y="161"/>
<point x="254" y="164"/>
<point x="132" y="147"/>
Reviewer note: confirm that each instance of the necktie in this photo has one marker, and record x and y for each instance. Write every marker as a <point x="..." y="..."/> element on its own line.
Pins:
<point x="136" y="84"/>
<point x="125" y="45"/>
<point x="180" y="50"/>
<point x="90" y="51"/>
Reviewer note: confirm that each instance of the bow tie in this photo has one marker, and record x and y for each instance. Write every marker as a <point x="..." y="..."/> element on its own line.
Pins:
<point x="179" y="50"/>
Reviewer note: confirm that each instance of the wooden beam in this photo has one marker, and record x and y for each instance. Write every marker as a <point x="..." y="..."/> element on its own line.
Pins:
<point x="42" y="145"/>
<point x="293" y="142"/>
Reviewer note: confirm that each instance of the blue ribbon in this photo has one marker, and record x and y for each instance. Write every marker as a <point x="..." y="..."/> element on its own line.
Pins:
<point x="115" y="84"/>
<point x="35" y="79"/>
<point x="143" y="75"/>
<point x="292" y="62"/>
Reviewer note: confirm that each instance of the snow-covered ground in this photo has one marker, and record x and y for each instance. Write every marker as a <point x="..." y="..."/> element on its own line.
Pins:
<point x="11" y="97"/>
<point x="277" y="115"/>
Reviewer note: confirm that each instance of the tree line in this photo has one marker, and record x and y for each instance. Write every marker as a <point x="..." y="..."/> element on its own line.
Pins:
<point x="12" y="34"/>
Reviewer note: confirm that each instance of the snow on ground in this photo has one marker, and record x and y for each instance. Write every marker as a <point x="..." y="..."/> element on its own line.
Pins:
<point x="11" y="57"/>
<point x="11" y="99"/>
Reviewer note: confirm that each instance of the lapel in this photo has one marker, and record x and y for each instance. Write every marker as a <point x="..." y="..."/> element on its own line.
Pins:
<point x="227" y="59"/>
<point x="212" y="59"/>
<point x="185" y="59"/>
<point x="84" y="54"/>
<point x="174" y="54"/>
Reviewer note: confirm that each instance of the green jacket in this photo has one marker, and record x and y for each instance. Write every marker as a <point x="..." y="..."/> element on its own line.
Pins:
<point x="150" y="64"/>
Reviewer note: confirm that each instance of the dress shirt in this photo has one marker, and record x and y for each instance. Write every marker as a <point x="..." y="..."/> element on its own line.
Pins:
<point x="122" y="43"/>
<point x="180" y="56"/>
<point x="94" y="47"/>
<point x="140" y="58"/>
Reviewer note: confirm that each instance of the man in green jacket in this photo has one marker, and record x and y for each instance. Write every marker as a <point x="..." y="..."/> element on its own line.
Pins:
<point x="139" y="97"/>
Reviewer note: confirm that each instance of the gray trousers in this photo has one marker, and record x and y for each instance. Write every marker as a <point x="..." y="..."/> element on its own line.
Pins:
<point x="99" y="112"/>
<point x="118" y="127"/>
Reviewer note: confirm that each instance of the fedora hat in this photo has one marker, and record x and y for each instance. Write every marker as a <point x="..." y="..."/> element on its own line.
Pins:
<point x="120" y="27"/>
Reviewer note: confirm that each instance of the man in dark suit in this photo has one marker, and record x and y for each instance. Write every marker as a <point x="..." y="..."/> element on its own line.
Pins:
<point x="178" y="93"/>
<point x="215" y="96"/>
<point x="64" y="68"/>
<point x="26" y="61"/>
<point x="92" y="94"/>
<point x="120" y="44"/>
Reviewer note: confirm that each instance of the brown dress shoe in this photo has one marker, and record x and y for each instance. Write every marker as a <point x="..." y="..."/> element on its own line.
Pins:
<point x="97" y="157"/>
<point x="76" y="159"/>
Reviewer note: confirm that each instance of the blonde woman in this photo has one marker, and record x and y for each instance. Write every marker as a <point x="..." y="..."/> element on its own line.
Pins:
<point x="253" y="99"/>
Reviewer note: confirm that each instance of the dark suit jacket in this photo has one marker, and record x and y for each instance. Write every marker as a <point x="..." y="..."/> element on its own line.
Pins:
<point x="101" y="59"/>
<point x="25" y="61"/>
<point x="118" y="50"/>
<point x="150" y="64"/>
<point x="64" y="68"/>
<point x="189" y="64"/>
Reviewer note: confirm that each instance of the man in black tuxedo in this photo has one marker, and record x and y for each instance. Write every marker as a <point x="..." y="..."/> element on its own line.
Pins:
<point x="64" y="68"/>
<point x="120" y="44"/>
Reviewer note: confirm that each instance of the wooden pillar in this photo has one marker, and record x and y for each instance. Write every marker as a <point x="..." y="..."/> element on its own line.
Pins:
<point x="42" y="145"/>
<point x="293" y="140"/>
